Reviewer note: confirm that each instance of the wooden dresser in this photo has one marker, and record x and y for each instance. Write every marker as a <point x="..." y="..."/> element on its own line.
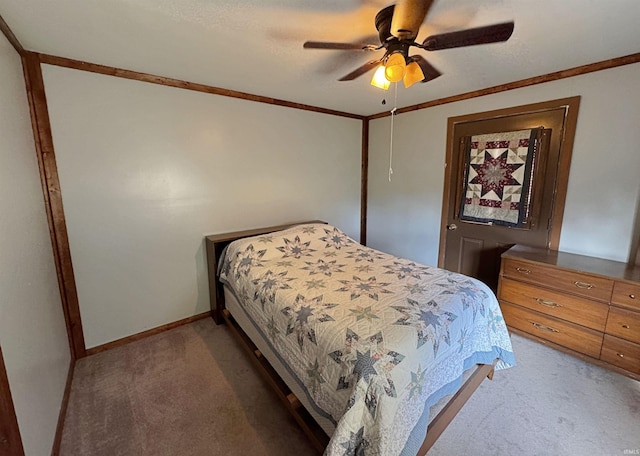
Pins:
<point x="586" y="306"/>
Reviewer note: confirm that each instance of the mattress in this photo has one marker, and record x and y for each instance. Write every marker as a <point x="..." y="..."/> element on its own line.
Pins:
<point x="367" y="341"/>
<point x="232" y="305"/>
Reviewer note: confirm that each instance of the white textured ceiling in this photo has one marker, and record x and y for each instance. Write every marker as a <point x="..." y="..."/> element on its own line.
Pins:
<point x="255" y="46"/>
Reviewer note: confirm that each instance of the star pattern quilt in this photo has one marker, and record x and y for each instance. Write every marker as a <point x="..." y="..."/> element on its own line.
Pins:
<point x="497" y="178"/>
<point x="374" y="340"/>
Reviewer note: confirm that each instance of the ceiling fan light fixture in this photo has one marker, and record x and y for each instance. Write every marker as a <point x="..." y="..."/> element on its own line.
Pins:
<point x="379" y="80"/>
<point x="413" y="74"/>
<point x="398" y="26"/>
<point x="395" y="67"/>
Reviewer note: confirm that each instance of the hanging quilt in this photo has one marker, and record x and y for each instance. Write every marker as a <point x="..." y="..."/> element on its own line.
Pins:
<point x="497" y="183"/>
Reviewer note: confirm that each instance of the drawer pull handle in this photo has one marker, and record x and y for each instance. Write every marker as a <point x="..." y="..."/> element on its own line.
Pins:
<point x="632" y="296"/>
<point x="523" y="270"/>
<point x="546" y="302"/>
<point x="544" y="327"/>
<point x="620" y="355"/>
<point x="583" y="285"/>
<point x="625" y="326"/>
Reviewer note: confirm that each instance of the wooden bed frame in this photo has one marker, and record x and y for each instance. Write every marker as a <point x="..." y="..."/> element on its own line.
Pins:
<point x="215" y="244"/>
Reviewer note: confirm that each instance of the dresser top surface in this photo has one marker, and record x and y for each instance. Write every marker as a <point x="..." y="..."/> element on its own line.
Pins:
<point x="575" y="262"/>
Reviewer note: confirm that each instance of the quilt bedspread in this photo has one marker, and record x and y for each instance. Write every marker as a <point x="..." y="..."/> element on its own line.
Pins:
<point x="372" y="339"/>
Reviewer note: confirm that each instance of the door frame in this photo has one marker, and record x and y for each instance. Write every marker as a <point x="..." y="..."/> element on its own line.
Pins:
<point x="10" y="440"/>
<point x="570" y="106"/>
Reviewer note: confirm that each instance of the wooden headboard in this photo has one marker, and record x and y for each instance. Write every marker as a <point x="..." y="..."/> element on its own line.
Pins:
<point x="215" y="244"/>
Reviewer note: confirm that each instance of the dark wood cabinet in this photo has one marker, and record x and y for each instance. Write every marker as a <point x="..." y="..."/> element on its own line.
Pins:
<point x="586" y="306"/>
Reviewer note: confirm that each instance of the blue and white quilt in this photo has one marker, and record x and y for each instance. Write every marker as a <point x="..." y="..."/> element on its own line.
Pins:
<point x="374" y="340"/>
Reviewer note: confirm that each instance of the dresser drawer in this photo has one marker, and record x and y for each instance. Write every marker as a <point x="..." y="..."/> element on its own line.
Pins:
<point x="621" y="353"/>
<point x="598" y="288"/>
<point x="624" y="323"/>
<point x="561" y="332"/>
<point x="585" y="312"/>
<point x="627" y="295"/>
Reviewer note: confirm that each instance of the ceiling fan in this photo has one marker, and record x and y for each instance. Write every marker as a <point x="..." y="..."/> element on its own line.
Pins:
<point x="398" y="26"/>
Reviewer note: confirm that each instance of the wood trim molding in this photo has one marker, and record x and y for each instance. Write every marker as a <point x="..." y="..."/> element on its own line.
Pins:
<point x="170" y="82"/>
<point x="10" y="440"/>
<point x="364" y="189"/>
<point x="6" y="31"/>
<point x="634" y="248"/>
<point x="571" y="106"/>
<point x="147" y="333"/>
<point x="48" y="168"/>
<point x="63" y="410"/>
<point x="53" y="202"/>
<point x="568" y="73"/>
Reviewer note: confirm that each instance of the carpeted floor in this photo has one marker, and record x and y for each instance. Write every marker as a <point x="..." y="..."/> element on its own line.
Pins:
<point x="192" y="391"/>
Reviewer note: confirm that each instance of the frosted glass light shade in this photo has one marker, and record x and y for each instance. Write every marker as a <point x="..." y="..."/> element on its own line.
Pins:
<point x="395" y="67"/>
<point x="413" y="74"/>
<point x="379" y="80"/>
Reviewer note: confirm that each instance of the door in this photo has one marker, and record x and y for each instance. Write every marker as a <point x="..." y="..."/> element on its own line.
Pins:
<point x="472" y="245"/>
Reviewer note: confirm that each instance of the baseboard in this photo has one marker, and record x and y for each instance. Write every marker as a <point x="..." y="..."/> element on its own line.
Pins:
<point x="147" y="333"/>
<point x="55" y="450"/>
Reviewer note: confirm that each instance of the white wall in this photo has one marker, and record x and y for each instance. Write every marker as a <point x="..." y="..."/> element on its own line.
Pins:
<point x="603" y="191"/>
<point x="32" y="329"/>
<point x="146" y="171"/>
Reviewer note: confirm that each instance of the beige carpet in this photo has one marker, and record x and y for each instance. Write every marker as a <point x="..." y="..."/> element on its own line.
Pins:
<point x="187" y="391"/>
<point x="192" y="391"/>
<point x="550" y="404"/>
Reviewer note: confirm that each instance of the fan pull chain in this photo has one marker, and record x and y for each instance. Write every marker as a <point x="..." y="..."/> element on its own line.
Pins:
<point x="393" y="114"/>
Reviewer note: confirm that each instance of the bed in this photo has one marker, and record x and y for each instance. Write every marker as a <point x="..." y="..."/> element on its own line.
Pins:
<point x="373" y="354"/>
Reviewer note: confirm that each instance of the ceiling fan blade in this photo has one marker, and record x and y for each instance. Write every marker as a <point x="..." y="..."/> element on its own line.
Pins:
<point x="383" y="23"/>
<point x="429" y="71"/>
<point x="338" y="46"/>
<point x="360" y="70"/>
<point x="470" y="37"/>
<point x="408" y="16"/>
